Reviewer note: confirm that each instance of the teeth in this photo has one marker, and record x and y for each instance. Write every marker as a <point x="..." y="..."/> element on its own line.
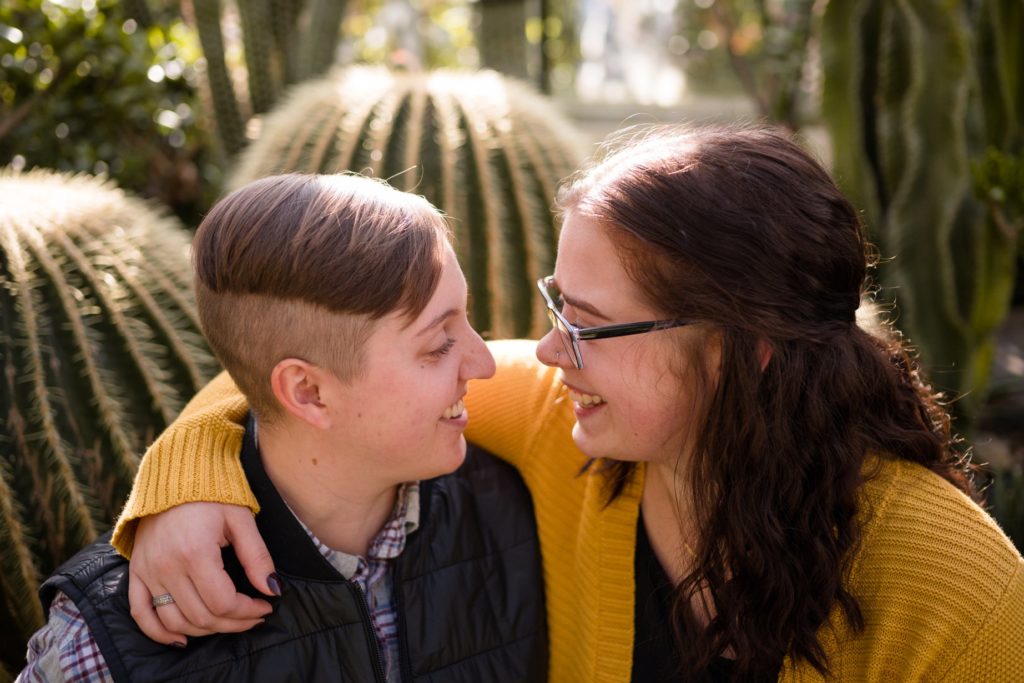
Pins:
<point x="454" y="410"/>
<point x="585" y="400"/>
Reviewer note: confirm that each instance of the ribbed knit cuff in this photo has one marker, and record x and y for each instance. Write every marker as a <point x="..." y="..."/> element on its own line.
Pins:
<point x="189" y="466"/>
<point x="195" y="460"/>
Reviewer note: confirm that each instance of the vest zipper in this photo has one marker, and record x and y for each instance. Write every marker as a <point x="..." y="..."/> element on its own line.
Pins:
<point x="371" y="635"/>
<point x="404" y="663"/>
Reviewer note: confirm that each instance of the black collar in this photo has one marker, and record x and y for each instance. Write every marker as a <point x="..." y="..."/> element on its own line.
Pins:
<point x="290" y="546"/>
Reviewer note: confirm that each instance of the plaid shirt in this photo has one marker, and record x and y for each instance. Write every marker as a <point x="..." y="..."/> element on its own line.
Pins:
<point x="64" y="649"/>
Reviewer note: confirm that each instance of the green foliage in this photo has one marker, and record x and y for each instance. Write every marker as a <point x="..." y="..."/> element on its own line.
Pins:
<point x="100" y="348"/>
<point x="486" y="150"/>
<point x="768" y="46"/>
<point x="85" y="87"/>
<point x="924" y="103"/>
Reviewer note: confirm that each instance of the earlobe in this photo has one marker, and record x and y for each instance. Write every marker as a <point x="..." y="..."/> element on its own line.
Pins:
<point x="297" y="385"/>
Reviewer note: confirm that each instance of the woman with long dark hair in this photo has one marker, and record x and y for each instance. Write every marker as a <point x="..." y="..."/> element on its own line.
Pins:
<point x="733" y="479"/>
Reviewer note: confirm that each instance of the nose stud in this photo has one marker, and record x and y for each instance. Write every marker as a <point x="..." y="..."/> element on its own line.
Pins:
<point x="558" y="355"/>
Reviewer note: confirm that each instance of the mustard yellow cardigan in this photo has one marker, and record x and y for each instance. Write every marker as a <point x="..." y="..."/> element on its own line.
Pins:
<point x="941" y="588"/>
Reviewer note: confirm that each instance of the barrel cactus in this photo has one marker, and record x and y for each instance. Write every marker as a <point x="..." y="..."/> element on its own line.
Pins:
<point x="100" y="348"/>
<point x="285" y="42"/>
<point x="485" y="149"/>
<point x="924" y="103"/>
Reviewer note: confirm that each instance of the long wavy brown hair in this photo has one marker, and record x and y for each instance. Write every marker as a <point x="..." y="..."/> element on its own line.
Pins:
<point x="741" y="229"/>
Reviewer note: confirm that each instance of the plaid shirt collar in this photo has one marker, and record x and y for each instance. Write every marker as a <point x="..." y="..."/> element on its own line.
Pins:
<point x="389" y="541"/>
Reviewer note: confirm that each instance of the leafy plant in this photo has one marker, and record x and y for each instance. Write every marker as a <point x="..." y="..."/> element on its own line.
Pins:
<point x="86" y="86"/>
<point x="770" y="48"/>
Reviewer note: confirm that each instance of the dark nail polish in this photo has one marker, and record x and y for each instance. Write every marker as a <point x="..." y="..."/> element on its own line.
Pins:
<point x="178" y="644"/>
<point x="274" y="582"/>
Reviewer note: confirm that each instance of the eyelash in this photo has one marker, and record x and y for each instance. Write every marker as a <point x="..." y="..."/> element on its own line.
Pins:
<point x="575" y="320"/>
<point x="445" y="348"/>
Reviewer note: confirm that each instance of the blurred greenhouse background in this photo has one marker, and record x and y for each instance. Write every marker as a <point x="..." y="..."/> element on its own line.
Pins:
<point x="122" y="122"/>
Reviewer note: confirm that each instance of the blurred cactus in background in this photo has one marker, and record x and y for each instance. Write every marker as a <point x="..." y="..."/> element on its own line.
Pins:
<point x="501" y="35"/>
<point x="100" y="348"/>
<point x="285" y="41"/>
<point x="925" y="104"/>
<point x="486" y="150"/>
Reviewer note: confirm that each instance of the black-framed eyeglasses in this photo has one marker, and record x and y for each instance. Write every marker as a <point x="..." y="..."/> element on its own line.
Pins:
<point x="572" y="335"/>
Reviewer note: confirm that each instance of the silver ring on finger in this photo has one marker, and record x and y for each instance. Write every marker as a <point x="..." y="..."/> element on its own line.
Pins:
<point x="161" y="600"/>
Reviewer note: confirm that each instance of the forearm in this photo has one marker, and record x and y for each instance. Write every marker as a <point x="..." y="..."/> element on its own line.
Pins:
<point x="195" y="459"/>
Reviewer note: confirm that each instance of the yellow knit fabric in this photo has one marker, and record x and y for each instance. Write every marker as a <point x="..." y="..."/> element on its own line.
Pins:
<point x="941" y="588"/>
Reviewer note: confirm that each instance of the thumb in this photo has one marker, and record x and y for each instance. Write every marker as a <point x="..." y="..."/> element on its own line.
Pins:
<point x="252" y="552"/>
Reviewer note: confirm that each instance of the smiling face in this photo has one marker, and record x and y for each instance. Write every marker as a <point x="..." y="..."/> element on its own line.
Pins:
<point x="636" y="397"/>
<point x="402" y="416"/>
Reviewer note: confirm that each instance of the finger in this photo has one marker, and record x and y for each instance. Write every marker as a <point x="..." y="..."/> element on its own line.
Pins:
<point x="218" y="595"/>
<point x="189" y="614"/>
<point x="252" y="553"/>
<point x="141" y="600"/>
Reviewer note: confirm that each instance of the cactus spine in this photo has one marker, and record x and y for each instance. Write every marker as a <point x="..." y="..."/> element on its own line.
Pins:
<point x="485" y="149"/>
<point x="100" y="349"/>
<point x="917" y="97"/>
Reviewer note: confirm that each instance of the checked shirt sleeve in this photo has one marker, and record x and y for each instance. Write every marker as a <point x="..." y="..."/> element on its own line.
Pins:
<point x="64" y="649"/>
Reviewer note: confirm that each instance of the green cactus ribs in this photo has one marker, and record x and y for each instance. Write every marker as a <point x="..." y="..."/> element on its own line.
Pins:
<point x="99" y="348"/>
<point x="485" y="149"/>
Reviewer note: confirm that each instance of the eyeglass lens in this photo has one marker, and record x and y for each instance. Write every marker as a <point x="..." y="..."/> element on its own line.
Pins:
<point x="565" y="335"/>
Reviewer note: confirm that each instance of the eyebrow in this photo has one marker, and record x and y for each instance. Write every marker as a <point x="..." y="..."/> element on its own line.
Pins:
<point x="437" y="321"/>
<point x="584" y="306"/>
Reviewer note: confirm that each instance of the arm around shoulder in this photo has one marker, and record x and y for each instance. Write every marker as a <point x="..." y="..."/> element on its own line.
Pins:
<point x="506" y="411"/>
<point x="195" y="459"/>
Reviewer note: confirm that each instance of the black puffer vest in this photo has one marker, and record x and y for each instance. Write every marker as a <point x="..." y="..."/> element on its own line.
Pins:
<point x="468" y="587"/>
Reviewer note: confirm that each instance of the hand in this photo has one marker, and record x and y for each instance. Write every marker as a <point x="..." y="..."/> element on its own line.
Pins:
<point x="179" y="552"/>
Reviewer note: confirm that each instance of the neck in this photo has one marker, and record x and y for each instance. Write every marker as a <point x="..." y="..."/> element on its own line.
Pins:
<point x="666" y="513"/>
<point x="330" y="491"/>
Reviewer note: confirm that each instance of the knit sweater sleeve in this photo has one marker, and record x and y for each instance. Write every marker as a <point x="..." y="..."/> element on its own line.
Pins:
<point x="996" y="651"/>
<point x="195" y="459"/>
<point x="940" y="586"/>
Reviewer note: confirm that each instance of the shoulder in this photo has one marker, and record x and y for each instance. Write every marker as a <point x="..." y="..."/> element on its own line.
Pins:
<point x="912" y="515"/>
<point x="485" y="491"/>
<point x="934" y="575"/>
<point x="516" y="365"/>
<point x="97" y="568"/>
<point x="64" y="649"/>
<point x="514" y="352"/>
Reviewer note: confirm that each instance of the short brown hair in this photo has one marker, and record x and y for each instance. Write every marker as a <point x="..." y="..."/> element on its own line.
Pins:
<point x="301" y="265"/>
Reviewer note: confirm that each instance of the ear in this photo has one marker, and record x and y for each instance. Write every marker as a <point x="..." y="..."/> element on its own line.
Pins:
<point x="764" y="352"/>
<point x="297" y="386"/>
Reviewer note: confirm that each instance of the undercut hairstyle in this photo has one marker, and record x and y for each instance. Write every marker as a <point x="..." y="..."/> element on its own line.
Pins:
<point x="742" y="230"/>
<point x="302" y="266"/>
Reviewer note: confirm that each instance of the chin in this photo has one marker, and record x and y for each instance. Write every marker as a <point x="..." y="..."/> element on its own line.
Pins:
<point x="591" y="447"/>
<point x="451" y="459"/>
